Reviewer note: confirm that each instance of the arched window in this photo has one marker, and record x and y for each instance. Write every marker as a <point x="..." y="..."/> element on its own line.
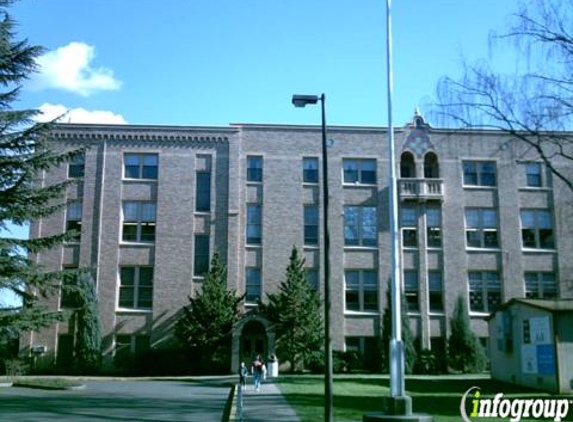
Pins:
<point x="407" y="165"/>
<point x="431" y="166"/>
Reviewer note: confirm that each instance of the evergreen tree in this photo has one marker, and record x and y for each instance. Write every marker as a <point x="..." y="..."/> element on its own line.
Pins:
<point x="407" y="336"/>
<point x="23" y="156"/>
<point x="295" y="312"/>
<point x="465" y="353"/>
<point x="87" y="345"/>
<point x="205" y="327"/>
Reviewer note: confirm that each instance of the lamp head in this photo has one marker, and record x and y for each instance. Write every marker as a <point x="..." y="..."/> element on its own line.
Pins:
<point x="303" y="100"/>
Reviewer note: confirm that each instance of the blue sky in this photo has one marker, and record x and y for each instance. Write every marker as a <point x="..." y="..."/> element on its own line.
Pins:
<point x="215" y="62"/>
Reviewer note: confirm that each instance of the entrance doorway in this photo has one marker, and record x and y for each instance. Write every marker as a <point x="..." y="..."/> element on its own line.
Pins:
<point x="253" y="341"/>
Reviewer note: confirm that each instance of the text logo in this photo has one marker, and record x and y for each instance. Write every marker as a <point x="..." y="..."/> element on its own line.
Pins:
<point x="514" y="409"/>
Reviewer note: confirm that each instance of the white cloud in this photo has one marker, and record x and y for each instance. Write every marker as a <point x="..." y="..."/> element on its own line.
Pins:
<point x="69" y="68"/>
<point x="78" y="115"/>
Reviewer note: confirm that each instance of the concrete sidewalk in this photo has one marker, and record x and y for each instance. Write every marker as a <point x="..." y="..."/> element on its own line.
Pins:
<point x="265" y="406"/>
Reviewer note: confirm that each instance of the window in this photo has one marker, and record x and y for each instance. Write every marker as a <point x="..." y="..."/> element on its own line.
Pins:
<point x="407" y="165"/>
<point x="74" y="219"/>
<point x="310" y="170"/>
<point x="76" y="166"/>
<point x="361" y="290"/>
<point x="359" y="171"/>
<point x="138" y="221"/>
<point x="433" y="227"/>
<point x="479" y="173"/>
<point x="435" y="291"/>
<point x="431" y="166"/>
<point x="533" y="174"/>
<point x="127" y="345"/>
<point x="254" y="228"/>
<point x="254" y="169"/>
<point x="203" y="191"/>
<point x="253" y="286"/>
<point x="312" y="278"/>
<point x="364" y="347"/>
<point x="65" y="351"/>
<point x="411" y="291"/>
<point x="409" y="225"/>
<point x="481" y="228"/>
<point x="201" y="259"/>
<point x="69" y="297"/>
<point x="484" y="290"/>
<point x="310" y="225"/>
<point x="539" y="285"/>
<point x="140" y="166"/>
<point x="360" y="226"/>
<point x="136" y="287"/>
<point x="537" y="229"/>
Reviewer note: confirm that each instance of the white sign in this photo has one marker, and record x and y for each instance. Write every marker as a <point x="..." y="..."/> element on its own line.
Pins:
<point x="529" y="359"/>
<point x="540" y="332"/>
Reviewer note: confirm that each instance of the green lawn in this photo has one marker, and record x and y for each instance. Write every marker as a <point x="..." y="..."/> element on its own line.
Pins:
<point x="355" y="395"/>
<point x="46" y="383"/>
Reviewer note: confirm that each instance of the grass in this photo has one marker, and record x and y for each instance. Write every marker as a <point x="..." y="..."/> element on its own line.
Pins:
<point x="46" y="383"/>
<point x="355" y="395"/>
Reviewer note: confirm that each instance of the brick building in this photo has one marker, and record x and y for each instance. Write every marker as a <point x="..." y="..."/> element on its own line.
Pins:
<point x="480" y="218"/>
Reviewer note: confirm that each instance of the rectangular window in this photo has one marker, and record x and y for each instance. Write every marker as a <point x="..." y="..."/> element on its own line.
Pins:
<point x="481" y="228"/>
<point x="254" y="226"/>
<point x="68" y="295"/>
<point x="254" y="169"/>
<point x="65" y="351"/>
<point x="409" y="226"/>
<point x="361" y="290"/>
<point x="479" y="173"/>
<point x="136" y="287"/>
<point x="533" y="174"/>
<point x="411" y="290"/>
<point x="312" y="278"/>
<point x="434" y="227"/>
<point x="360" y="226"/>
<point x="138" y="221"/>
<point x="537" y="229"/>
<point x="201" y="259"/>
<point x="311" y="225"/>
<point x="253" y="285"/>
<point x="484" y="290"/>
<point x="436" y="291"/>
<point x="74" y="219"/>
<point x="540" y="285"/>
<point x="310" y="170"/>
<point x="126" y="346"/>
<point x="140" y="166"/>
<point x="203" y="191"/>
<point x="76" y="166"/>
<point x="359" y="171"/>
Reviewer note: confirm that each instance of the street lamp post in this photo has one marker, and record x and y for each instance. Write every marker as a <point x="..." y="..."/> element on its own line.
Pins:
<point x="302" y="101"/>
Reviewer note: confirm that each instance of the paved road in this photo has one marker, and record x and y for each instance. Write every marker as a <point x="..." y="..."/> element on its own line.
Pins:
<point x="266" y="405"/>
<point x="128" y="401"/>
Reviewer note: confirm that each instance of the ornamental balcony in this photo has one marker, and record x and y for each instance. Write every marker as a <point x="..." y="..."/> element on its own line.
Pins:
<point x="421" y="189"/>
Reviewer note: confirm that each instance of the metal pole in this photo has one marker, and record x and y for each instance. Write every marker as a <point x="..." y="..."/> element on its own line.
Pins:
<point x="397" y="387"/>
<point x="328" y="387"/>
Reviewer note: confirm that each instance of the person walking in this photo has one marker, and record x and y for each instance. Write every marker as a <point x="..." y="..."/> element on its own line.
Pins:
<point x="243" y="373"/>
<point x="257" y="370"/>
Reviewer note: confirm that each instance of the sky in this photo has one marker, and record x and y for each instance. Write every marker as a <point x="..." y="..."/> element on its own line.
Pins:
<point x="215" y="62"/>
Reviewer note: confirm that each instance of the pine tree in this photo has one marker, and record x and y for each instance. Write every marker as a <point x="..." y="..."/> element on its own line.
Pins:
<point x="465" y="353"/>
<point x="205" y="327"/>
<point x="23" y="156"/>
<point x="295" y="312"/>
<point x="407" y="336"/>
<point x="87" y="342"/>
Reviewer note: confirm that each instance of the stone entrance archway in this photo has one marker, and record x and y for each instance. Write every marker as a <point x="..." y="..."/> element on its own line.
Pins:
<point x="251" y="336"/>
